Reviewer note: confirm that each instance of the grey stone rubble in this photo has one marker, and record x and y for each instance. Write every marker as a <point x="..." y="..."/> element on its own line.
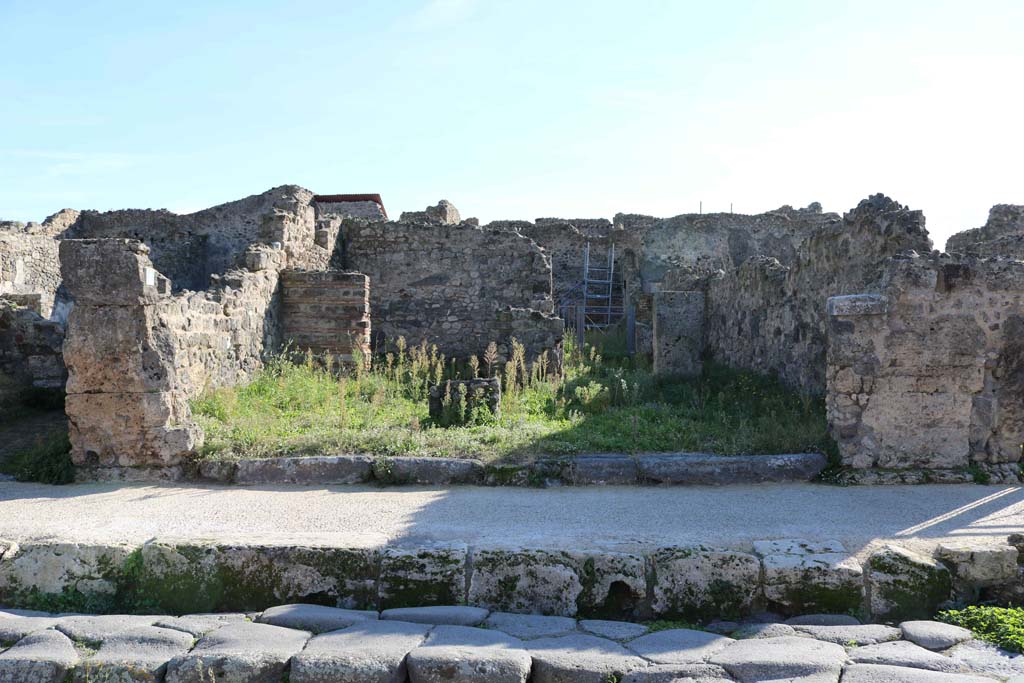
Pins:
<point x="815" y="583"/>
<point x="589" y="469"/>
<point x="511" y="648"/>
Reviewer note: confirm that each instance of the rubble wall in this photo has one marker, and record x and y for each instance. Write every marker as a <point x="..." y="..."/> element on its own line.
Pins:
<point x="327" y="313"/>
<point x="31" y="354"/>
<point x="769" y="315"/>
<point x="459" y="286"/>
<point x="29" y="265"/>
<point x="929" y="373"/>
<point x="1002" y="235"/>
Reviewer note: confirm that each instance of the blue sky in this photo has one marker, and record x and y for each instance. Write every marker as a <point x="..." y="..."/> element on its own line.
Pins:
<point x="515" y="109"/>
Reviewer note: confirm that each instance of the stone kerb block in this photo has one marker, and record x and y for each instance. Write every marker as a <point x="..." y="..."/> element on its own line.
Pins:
<point x="803" y="576"/>
<point x="678" y="333"/>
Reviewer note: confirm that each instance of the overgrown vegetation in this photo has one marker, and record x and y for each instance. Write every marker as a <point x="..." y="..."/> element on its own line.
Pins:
<point x="299" y="406"/>
<point x="1002" y="626"/>
<point x="46" y="462"/>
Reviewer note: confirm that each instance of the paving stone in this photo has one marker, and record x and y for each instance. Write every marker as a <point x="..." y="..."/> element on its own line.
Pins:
<point x="934" y="635"/>
<point x="13" y="630"/>
<point x="614" y="630"/>
<point x="722" y="628"/>
<point x="96" y="629"/>
<point x="527" y="626"/>
<point x="767" y="659"/>
<point x="679" y="673"/>
<point x="238" y="653"/>
<point x="987" y="658"/>
<point x="699" y="583"/>
<point x="875" y="673"/>
<point x="823" y="620"/>
<point x="863" y="634"/>
<point x="763" y="631"/>
<point x="44" y="657"/>
<point x="367" y="652"/>
<point x="200" y="624"/>
<point x="581" y="658"/>
<point x="139" y="655"/>
<point x="904" y="653"/>
<point x="449" y="615"/>
<point x="462" y="654"/>
<point x="905" y="585"/>
<point x="314" y="618"/>
<point x="678" y="646"/>
<point x="428" y="575"/>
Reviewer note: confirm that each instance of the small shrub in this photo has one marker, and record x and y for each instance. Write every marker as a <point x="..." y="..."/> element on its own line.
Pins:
<point x="1002" y="626"/>
<point x="48" y="462"/>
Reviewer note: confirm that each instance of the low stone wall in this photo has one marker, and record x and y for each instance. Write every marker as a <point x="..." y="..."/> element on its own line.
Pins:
<point x="327" y="313"/>
<point x="697" y="583"/>
<point x="770" y="317"/>
<point x="455" y="285"/>
<point x="930" y="372"/>
<point x="136" y="352"/>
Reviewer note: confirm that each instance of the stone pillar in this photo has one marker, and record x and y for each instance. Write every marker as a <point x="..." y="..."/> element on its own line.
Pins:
<point x="678" y="333"/>
<point x="124" y="403"/>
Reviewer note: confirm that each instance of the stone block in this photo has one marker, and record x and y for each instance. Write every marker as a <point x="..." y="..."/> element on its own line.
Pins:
<point x="87" y="570"/>
<point x="581" y="658"/>
<point x="461" y="654"/>
<point x="45" y="657"/>
<point x="857" y="304"/>
<point x="799" y="578"/>
<point x="427" y="470"/>
<point x="314" y="470"/>
<point x="239" y="653"/>
<point x="779" y="659"/>
<point x="678" y="646"/>
<point x="314" y="618"/>
<point x="702" y="468"/>
<point x="678" y="333"/>
<point x="427" y="575"/>
<point x="526" y="580"/>
<point x="443" y="615"/>
<point x="138" y="655"/>
<point x="530" y="626"/>
<point x="368" y="652"/>
<point x="979" y="567"/>
<point x="701" y="583"/>
<point x="905" y="585"/>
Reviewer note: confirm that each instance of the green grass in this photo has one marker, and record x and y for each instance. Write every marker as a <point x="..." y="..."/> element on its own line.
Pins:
<point x="299" y="407"/>
<point x="1002" y="626"/>
<point x="47" y="462"/>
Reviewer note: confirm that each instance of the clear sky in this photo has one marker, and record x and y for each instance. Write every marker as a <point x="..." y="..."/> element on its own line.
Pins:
<point x="515" y="109"/>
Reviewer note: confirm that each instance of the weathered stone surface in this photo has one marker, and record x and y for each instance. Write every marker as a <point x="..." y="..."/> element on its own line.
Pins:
<point x="979" y="567"/>
<point x="875" y="673"/>
<point x="451" y="615"/>
<point x="614" y="584"/>
<point x="864" y="634"/>
<point x="461" y="654"/>
<point x="800" y="576"/>
<point x="602" y="470"/>
<point x="328" y="469"/>
<point x="140" y="654"/>
<point x="679" y="673"/>
<point x="428" y="575"/>
<point x="985" y="658"/>
<point x="934" y="635"/>
<point x="823" y="620"/>
<point x="90" y="569"/>
<point x="529" y="626"/>
<point x="367" y="652"/>
<point x="430" y="471"/>
<point x="678" y="646"/>
<point x="520" y="580"/>
<point x="187" y="578"/>
<point x="100" y="628"/>
<point x="905" y="585"/>
<point x="239" y="653"/>
<point x="678" y="333"/>
<point x="700" y="583"/>
<point x="763" y="631"/>
<point x="581" y="658"/>
<point x="699" y="468"/>
<point x="903" y="653"/>
<point x="766" y="659"/>
<point x="44" y="657"/>
<point x="613" y="630"/>
<point x="199" y="624"/>
<point x="314" y="618"/>
<point x="13" y="630"/>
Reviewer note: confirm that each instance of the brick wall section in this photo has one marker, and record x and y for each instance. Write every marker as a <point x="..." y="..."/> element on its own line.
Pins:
<point x="327" y="313"/>
<point x="929" y="373"/>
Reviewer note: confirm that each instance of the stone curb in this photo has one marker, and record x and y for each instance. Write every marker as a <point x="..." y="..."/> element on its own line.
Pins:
<point x="582" y="470"/>
<point x="695" y="583"/>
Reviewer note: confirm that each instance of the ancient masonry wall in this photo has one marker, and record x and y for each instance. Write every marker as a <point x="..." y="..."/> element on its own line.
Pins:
<point x="327" y="313"/>
<point x="29" y="269"/>
<point x="31" y="355"/>
<point x="1002" y="235"/>
<point x="929" y="373"/>
<point x="459" y="286"/>
<point x="136" y="352"/>
<point x="770" y="316"/>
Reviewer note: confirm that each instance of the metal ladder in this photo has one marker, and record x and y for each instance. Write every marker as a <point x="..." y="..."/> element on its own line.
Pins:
<point x="599" y="310"/>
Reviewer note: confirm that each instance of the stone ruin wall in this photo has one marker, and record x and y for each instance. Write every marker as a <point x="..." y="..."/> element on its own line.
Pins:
<point x="1002" y="235"/>
<point x="928" y="373"/>
<point x="769" y="315"/>
<point x="456" y="285"/>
